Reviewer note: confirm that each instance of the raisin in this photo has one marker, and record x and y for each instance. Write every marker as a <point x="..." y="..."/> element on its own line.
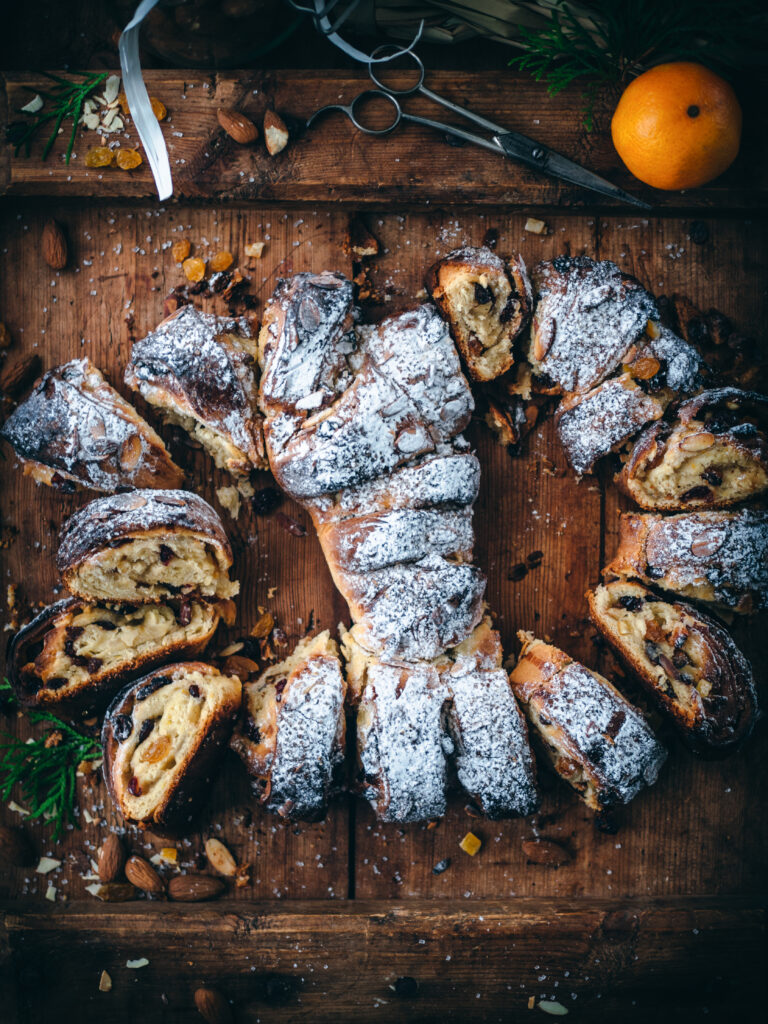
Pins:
<point x="266" y="501"/>
<point x="441" y="866"/>
<point x="194" y="269"/>
<point x="630" y="603"/>
<point x="680" y="659"/>
<point x="93" y="666"/>
<point x="517" y="572"/>
<point x="134" y="786"/>
<point x="221" y="261"/>
<point x="651" y="599"/>
<point x="194" y="690"/>
<point x="73" y="632"/>
<point x="279" y="687"/>
<point x="106" y="625"/>
<point x="80" y="660"/>
<point x="535" y="559"/>
<point x="122" y="727"/>
<point x="166" y="554"/>
<point x="652" y="652"/>
<point x="483" y="295"/>
<point x="291" y="525"/>
<point x="699" y="493"/>
<point x="128" y="159"/>
<point x="712" y="476"/>
<point x="185" y="612"/>
<point x="158" y="108"/>
<point x="252" y="730"/>
<point x="181" y="250"/>
<point x="146" y="728"/>
<point x="654" y="573"/>
<point x="150" y="687"/>
<point x="510" y="309"/>
<point x="491" y="238"/>
<point x="99" y="156"/>
<point x="56" y="682"/>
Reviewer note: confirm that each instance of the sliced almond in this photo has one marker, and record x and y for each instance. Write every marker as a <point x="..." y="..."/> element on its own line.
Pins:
<point x="237" y="125"/>
<point x="706" y="545"/>
<point x="543" y="339"/>
<point x="140" y="873"/>
<point x="275" y="133"/>
<point x="220" y="858"/>
<point x="699" y="442"/>
<point x="111" y="858"/>
<point x="130" y="453"/>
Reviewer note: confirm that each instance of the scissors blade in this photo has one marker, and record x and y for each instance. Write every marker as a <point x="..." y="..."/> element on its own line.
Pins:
<point x="533" y="154"/>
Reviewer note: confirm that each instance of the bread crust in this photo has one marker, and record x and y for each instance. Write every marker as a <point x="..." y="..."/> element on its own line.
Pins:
<point x="115" y="521"/>
<point x="593" y="737"/>
<point x="75" y="431"/>
<point x="703" y="682"/>
<point x="200" y="371"/>
<point x="503" y="286"/>
<point x="175" y="811"/>
<point x="720" y="558"/>
<point x="713" y="455"/>
<point x="33" y="649"/>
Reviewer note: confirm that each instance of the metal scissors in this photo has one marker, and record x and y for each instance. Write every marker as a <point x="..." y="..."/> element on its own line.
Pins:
<point x="512" y="144"/>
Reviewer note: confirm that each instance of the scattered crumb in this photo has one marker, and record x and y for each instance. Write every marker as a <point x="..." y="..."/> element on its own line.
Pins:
<point x="105" y="982"/>
<point x="134" y="965"/>
<point x="536" y="227"/>
<point x="229" y="498"/>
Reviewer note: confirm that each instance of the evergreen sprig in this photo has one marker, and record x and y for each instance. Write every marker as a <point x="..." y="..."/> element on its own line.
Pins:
<point x="46" y="769"/>
<point x="64" y="100"/>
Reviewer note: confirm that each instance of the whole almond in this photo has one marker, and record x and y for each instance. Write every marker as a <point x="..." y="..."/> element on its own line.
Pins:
<point x="699" y="442"/>
<point x="140" y="873"/>
<point x="220" y="858"/>
<point x="194" y="888"/>
<point x="275" y="133"/>
<point x="15" y="848"/>
<point x="705" y="545"/>
<point x="111" y="858"/>
<point x="54" y="244"/>
<point x="237" y="125"/>
<point x="544" y="851"/>
<point x="212" y="1006"/>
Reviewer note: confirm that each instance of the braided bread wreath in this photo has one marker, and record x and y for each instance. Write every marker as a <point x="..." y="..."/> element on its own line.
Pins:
<point x="363" y="426"/>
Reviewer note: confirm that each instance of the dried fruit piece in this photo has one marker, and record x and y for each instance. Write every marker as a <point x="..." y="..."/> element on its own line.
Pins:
<point x="275" y="133"/>
<point x="169" y="854"/>
<point x="646" y="368"/>
<point x="221" y="261"/>
<point x="470" y="844"/>
<point x="99" y="156"/>
<point x="194" y="888"/>
<point x="158" y="108"/>
<point x="220" y="858"/>
<point x="254" y="250"/>
<point x="212" y="1006"/>
<point x="180" y="250"/>
<point x="54" y="245"/>
<point x="155" y="751"/>
<point x="111" y="857"/>
<point x="194" y="269"/>
<point x="237" y="125"/>
<point x="141" y="874"/>
<point x="544" y="851"/>
<point x="264" y="625"/>
<point x="112" y="892"/>
<point x="243" y="668"/>
<point x="128" y="159"/>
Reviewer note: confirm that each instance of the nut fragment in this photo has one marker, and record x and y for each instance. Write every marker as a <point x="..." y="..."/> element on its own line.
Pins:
<point x="243" y="668"/>
<point x="194" y="269"/>
<point x="220" y="858"/>
<point x="194" y="888"/>
<point x="705" y="545"/>
<point x="275" y="133"/>
<point x="212" y="1006"/>
<point x="237" y="125"/>
<point x="105" y="982"/>
<point x="54" y="245"/>
<point x="140" y="873"/>
<point x="543" y="339"/>
<point x="699" y="442"/>
<point x="254" y="250"/>
<point x="536" y="227"/>
<point x="111" y="858"/>
<point x="130" y="453"/>
<point x="180" y="250"/>
<point x="544" y="851"/>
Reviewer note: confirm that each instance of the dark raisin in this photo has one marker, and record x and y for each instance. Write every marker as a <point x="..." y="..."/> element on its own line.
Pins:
<point x="712" y="476"/>
<point x="441" y="866"/>
<point x="511" y="308"/>
<point x="56" y="682"/>
<point x="698" y="493"/>
<point x="122" y="726"/>
<point x="406" y="987"/>
<point x="654" y="573"/>
<point x="680" y="659"/>
<point x="134" y="786"/>
<point x="69" y="648"/>
<point x="151" y="686"/>
<point x="721" y="422"/>
<point x="106" y="625"/>
<point x="535" y="559"/>
<point x="166" y="554"/>
<point x="517" y="572"/>
<point x="253" y="732"/>
<point x="652" y="652"/>
<point x="146" y="728"/>
<point x="651" y="599"/>
<point x="687" y="679"/>
<point x="491" y="239"/>
<point x="194" y="691"/>
<point x="698" y="232"/>
<point x="291" y="525"/>
<point x="266" y="501"/>
<point x="80" y="660"/>
<point x="631" y="603"/>
<point x="279" y="687"/>
<point x="483" y="295"/>
<point x="93" y="666"/>
<point x="73" y="632"/>
<point x="185" y="612"/>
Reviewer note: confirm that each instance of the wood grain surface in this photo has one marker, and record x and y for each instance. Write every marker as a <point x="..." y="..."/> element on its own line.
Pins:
<point x="334" y="162"/>
<point x="679" y="885"/>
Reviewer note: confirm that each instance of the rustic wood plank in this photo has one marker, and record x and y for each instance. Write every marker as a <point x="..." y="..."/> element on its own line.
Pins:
<point x="335" y="162"/>
<point x="120" y="270"/>
<point x="478" y="961"/>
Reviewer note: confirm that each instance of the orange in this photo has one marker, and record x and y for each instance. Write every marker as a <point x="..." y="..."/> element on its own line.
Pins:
<point x="677" y="126"/>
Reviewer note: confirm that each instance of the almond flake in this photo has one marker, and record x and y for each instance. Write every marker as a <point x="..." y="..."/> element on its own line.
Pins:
<point x="134" y="965"/>
<point x="13" y="806"/>
<point x="105" y="982"/>
<point x="553" y="1008"/>
<point x="112" y="88"/>
<point x="50" y="893"/>
<point x="536" y="227"/>
<point x="47" y="864"/>
<point x="35" y="104"/>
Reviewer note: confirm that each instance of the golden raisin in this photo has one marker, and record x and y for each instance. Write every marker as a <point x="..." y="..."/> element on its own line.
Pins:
<point x="221" y="261"/>
<point x="181" y="250"/>
<point x="127" y="159"/>
<point x="194" y="269"/>
<point x="99" y="156"/>
<point x="156" y="750"/>
<point x="644" y="369"/>
<point x="158" y="108"/>
<point x="122" y="99"/>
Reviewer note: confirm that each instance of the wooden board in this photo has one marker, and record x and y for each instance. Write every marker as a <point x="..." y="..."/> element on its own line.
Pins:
<point x="691" y="846"/>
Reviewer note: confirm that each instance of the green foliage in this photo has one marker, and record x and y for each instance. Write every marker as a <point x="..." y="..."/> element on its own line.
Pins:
<point x="62" y="101"/>
<point x="46" y="768"/>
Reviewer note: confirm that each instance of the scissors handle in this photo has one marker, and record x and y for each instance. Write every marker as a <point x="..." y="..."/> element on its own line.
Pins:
<point x="352" y="111"/>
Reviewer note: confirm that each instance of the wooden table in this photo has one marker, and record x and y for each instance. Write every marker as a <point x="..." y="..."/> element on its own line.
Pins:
<point x="662" y="921"/>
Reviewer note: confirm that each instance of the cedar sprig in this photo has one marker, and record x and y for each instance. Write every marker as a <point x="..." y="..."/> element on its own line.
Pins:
<point x="46" y="769"/>
<point x="602" y="41"/>
<point x="64" y="100"/>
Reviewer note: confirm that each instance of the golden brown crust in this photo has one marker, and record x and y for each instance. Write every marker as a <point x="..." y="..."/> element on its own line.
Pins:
<point x="163" y="736"/>
<point x="74" y="656"/>
<point x="486" y="302"/>
<point x="74" y="430"/>
<point x="685" y="660"/>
